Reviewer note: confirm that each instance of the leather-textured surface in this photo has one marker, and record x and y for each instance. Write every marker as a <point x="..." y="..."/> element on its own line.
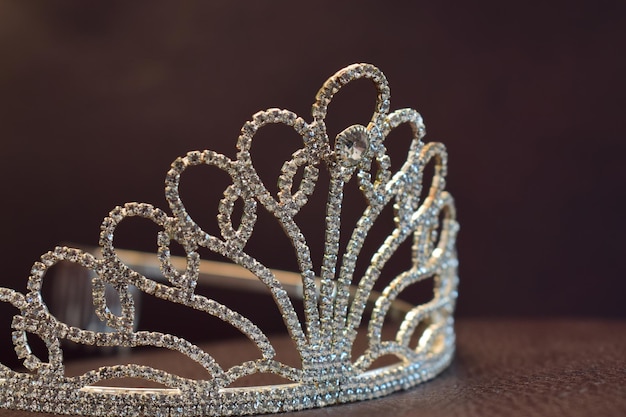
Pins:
<point x="501" y="368"/>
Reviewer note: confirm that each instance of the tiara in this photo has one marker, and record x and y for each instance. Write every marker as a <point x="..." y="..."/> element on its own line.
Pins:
<point x="335" y="300"/>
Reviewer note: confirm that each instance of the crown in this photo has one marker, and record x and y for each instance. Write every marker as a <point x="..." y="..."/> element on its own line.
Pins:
<point x="334" y="307"/>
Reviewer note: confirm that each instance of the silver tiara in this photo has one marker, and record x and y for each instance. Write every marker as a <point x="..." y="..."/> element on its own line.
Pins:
<point x="334" y="308"/>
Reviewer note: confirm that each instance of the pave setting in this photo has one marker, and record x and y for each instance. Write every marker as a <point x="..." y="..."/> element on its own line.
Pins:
<point x="334" y="308"/>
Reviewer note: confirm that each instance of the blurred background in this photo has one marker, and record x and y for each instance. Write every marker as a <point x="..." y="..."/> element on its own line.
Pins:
<point x="98" y="98"/>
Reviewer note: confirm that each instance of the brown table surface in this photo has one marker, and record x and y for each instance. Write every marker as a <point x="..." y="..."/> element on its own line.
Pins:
<point x="503" y="367"/>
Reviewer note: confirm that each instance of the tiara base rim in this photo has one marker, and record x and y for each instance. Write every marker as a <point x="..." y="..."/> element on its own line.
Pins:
<point x="29" y="393"/>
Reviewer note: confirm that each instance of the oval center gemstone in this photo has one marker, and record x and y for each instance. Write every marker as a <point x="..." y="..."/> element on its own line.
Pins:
<point x="351" y="144"/>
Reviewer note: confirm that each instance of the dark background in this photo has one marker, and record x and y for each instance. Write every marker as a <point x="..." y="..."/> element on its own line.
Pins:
<point x="97" y="99"/>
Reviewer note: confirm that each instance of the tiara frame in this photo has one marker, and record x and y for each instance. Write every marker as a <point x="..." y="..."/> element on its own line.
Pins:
<point x="334" y="308"/>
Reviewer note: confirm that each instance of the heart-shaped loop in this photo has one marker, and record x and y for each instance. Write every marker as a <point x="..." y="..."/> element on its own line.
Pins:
<point x="286" y="202"/>
<point x="185" y="281"/>
<point x="376" y="191"/>
<point x="35" y="318"/>
<point x="237" y="238"/>
<point x="410" y="175"/>
<point x="270" y="116"/>
<point x="184" y="224"/>
<point x="32" y="362"/>
<point x="117" y="273"/>
<point x="341" y="78"/>
<point x="126" y="319"/>
<point x="307" y="183"/>
<point x="437" y="230"/>
<point x="24" y="324"/>
<point x="431" y="153"/>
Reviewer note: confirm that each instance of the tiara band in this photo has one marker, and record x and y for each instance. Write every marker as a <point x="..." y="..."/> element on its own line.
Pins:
<point x="334" y="307"/>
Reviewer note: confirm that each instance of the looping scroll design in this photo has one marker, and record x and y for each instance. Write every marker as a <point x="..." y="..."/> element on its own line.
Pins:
<point x="345" y="76"/>
<point x="333" y="308"/>
<point x="234" y="240"/>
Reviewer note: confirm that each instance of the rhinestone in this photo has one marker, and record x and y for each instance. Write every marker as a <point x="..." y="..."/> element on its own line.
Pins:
<point x="352" y="144"/>
<point x="332" y="316"/>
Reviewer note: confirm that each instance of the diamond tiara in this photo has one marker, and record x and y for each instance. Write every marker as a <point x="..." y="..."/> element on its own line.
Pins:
<point x="334" y="308"/>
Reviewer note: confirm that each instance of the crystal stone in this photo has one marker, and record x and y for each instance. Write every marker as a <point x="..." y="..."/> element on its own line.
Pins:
<point x="352" y="144"/>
